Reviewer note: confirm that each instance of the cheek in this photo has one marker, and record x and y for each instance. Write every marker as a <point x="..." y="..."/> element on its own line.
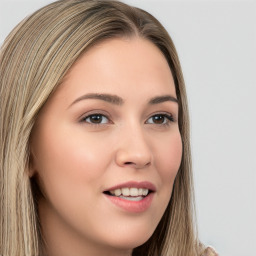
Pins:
<point x="69" y="170"/>
<point x="68" y="162"/>
<point x="169" y="157"/>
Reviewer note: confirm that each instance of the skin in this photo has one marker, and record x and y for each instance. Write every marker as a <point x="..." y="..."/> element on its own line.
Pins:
<point x="75" y="159"/>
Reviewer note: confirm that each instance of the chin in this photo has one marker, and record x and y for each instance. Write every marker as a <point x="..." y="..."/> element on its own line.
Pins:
<point x="129" y="240"/>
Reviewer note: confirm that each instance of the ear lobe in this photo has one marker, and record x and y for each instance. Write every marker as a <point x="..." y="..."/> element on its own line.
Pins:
<point x="31" y="172"/>
<point x="31" y="166"/>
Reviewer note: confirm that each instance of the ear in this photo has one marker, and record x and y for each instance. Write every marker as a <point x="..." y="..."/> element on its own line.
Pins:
<point x="31" y="166"/>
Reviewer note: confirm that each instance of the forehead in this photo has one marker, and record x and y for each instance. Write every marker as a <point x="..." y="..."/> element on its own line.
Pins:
<point x="122" y="66"/>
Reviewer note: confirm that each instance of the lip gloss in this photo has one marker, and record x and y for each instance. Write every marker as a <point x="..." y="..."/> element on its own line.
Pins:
<point x="132" y="206"/>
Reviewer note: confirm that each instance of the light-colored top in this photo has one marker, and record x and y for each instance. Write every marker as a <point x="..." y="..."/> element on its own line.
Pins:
<point x="209" y="251"/>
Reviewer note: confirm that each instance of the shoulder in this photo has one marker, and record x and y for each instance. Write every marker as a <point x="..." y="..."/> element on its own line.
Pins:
<point x="209" y="251"/>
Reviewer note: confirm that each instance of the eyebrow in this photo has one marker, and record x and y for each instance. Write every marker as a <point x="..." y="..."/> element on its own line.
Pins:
<point x="160" y="99"/>
<point x="116" y="100"/>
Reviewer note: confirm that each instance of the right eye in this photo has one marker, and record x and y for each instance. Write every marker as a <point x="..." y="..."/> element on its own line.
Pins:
<point x="95" y="119"/>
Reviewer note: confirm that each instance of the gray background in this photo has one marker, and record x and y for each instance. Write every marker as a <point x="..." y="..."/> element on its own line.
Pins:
<point x="216" y="42"/>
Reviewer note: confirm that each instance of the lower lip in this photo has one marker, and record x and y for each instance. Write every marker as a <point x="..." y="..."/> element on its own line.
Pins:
<point x="132" y="206"/>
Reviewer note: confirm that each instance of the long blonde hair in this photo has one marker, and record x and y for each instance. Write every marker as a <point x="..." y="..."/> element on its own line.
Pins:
<point x="33" y="61"/>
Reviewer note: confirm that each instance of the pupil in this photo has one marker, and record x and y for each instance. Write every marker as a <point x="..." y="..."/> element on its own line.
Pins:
<point x="158" y="119"/>
<point x="96" y="119"/>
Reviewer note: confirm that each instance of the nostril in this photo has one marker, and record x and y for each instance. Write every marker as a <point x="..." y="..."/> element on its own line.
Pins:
<point x="137" y="165"/>
<point x="128" y="163"/>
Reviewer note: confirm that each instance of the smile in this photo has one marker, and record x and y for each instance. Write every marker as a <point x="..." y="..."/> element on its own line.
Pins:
<point x="134" y="192"/>
<point x="132" y="196"/>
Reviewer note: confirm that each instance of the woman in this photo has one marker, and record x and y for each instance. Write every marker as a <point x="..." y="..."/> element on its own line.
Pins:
<point x="95" y="154"/>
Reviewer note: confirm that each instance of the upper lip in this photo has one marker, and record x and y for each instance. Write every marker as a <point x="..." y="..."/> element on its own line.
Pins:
<point x="134" y="184"/>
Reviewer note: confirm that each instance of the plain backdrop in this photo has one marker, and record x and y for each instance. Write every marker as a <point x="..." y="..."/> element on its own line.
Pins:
<point x="216" y="42"/>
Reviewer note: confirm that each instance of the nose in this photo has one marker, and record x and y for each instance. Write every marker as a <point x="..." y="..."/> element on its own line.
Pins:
<point x="133" y="150"/>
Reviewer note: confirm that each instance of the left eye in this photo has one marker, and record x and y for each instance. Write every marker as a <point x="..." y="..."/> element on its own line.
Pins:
<point x="160" y="119"/>
<point x="96" y="119"/>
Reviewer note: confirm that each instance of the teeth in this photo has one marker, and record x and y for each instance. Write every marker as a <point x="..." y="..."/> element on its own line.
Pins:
<point x="117" y="192"/>
<point x="134" y="192"/>
<point x="144" y="192"/>
<point x="130" y="198"/>
<point x="125" y="191"/>
<point x="130" y="192"/>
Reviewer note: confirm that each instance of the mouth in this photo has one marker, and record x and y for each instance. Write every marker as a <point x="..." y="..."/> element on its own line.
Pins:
<point x="134" y="197"/>
<point x="130" y="194"/>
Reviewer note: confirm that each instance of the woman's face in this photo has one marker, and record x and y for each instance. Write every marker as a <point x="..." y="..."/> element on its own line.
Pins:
<point x="106" y="148"/>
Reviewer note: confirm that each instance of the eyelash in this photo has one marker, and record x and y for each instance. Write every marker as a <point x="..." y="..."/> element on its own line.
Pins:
<point x="168" y="118"/>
